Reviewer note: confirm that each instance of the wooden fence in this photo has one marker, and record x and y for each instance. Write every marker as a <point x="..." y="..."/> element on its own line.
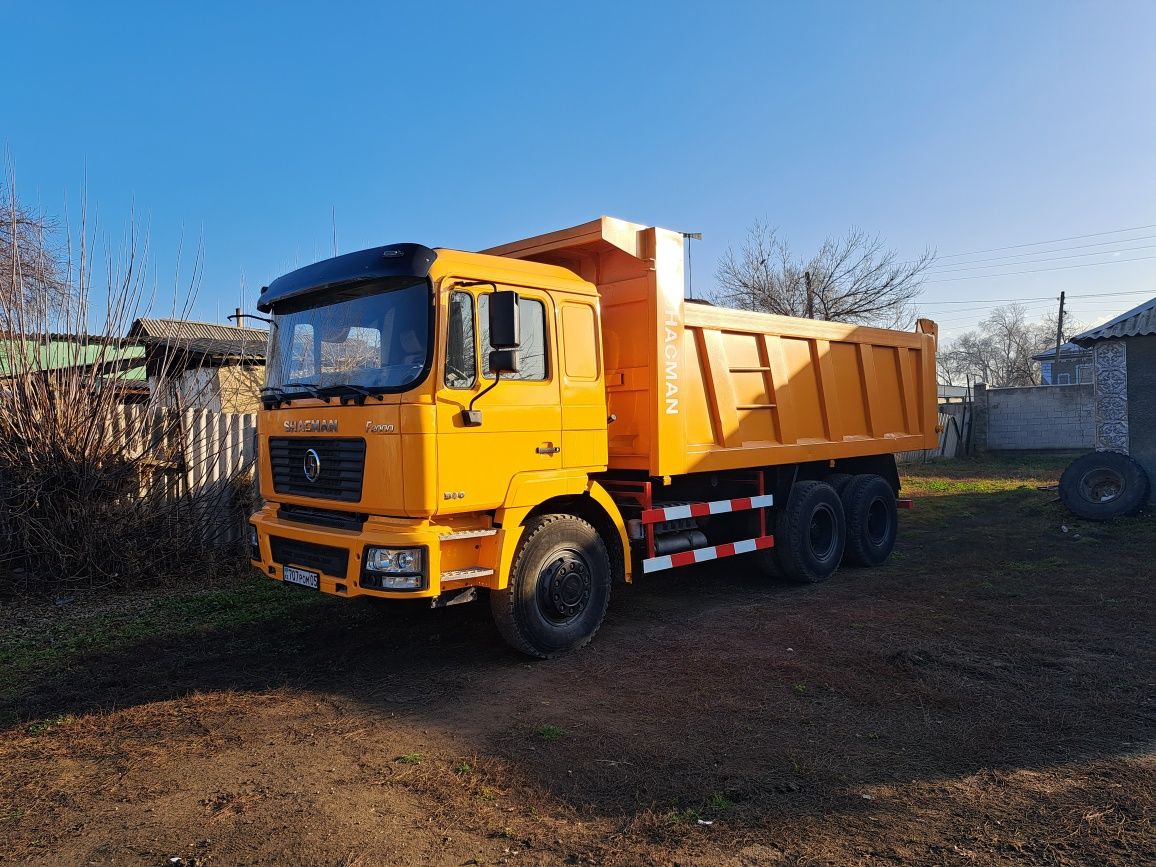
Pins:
<point x="199" y="456"/>
<point x="952" y="440"/>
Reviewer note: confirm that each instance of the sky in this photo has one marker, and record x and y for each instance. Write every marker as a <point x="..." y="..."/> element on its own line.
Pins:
<point x="256" y="132"/>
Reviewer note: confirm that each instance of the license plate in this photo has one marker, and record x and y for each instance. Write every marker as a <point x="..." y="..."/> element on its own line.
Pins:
<point x="303" y="577"/>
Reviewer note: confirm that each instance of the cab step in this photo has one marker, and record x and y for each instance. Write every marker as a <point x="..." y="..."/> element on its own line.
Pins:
<point x="456" y="576"/>
<point x="467" y="534"/>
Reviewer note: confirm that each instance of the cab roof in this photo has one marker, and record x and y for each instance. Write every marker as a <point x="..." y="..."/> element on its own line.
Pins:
<point x="419" y="262"/>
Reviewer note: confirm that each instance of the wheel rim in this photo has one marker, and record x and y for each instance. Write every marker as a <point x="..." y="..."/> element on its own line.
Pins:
<point x="823" y="531"/>
<point x="564" y="587"/>
<point x="877" y="521"/>
<point x="1101" y="485"/>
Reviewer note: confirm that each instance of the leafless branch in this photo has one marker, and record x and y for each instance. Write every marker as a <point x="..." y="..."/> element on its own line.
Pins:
<point x="855" y="279"/>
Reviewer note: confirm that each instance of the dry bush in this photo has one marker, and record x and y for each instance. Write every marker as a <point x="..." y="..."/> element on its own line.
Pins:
<point x="92" y="491"/>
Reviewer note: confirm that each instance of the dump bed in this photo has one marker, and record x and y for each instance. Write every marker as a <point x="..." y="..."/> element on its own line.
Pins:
<point x="693" y="388"/>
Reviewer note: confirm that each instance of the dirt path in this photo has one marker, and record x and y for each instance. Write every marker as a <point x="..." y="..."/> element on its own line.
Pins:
<point x="986" y="698"/>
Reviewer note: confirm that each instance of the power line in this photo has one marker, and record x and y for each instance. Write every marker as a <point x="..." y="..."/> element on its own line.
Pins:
<point x="1042" y="297"/>
<point x="1052" y="241"/>
<point x="972" y="267"/>
<point x="1042" y="270"/>
<point x="1058" y="250"/>
<point x="978" y="317"/>
<point x="1039" y="303"/>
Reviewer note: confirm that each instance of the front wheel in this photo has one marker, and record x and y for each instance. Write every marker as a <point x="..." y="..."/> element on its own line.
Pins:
<point x="559" y="588"/>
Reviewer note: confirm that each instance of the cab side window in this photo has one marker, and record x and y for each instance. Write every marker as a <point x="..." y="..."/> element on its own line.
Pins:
<point x="534" y="353"/>
<point x="461" y="354"/>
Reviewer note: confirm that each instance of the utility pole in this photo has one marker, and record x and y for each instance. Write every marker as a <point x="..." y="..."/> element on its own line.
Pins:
<point x="810" y="295"/>
<point x="1059" y="338"/>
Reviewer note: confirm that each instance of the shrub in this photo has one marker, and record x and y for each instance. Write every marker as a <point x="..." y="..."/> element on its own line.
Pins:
<point x="94" y="491"/>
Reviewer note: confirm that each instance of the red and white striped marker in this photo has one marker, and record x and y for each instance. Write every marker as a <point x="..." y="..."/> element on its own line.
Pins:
<point x="699" y="510"/>
<point x="701" y="555"/>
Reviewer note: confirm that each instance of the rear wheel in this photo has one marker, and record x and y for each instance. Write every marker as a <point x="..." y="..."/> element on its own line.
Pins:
<point x="838" y="481"/>
<point x="872" y="521"/>
<point x="810" y="533"/>
<point x="559" y="588"/>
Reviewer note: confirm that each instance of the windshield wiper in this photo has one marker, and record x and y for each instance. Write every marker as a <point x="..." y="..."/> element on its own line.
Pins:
<point x="356" y="389"/>
<point x="311" y="388"/>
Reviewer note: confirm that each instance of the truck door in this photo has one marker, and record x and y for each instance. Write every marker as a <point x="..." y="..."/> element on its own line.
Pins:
<point x="521" y="417"/>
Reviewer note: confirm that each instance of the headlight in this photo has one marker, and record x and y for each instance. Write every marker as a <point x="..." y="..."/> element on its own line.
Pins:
<point x="254" y="543"/>
<point x="394" y="569"/>
<point x="394" y="561"/>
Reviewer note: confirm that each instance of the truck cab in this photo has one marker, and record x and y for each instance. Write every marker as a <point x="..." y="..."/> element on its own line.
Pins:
<point x="396" y="460"/>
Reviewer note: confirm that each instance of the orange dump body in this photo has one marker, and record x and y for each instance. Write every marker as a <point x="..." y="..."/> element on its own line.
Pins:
<point x="696" y="388"/>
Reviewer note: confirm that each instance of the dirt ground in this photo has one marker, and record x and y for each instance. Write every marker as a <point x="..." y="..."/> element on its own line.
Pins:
<point x="985" y="698"/>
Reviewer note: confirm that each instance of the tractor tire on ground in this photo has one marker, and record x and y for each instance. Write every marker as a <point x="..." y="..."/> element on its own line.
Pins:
<point x="1100" y="486"/>
<point x="559" y="588"/>
<point x="872" y="520"/>
<point x="810" y="533"/>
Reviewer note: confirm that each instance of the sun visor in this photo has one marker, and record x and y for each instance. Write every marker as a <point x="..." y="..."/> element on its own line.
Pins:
<point x="395" y="260"/>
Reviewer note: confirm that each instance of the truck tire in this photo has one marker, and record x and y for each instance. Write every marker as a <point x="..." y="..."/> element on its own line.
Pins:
<point x="1100" y="486"/>
<point x="838" y="481"/>
<point x="559" y="588"/>
<point x="810" y="533"/>
<point x="872" y="520"/>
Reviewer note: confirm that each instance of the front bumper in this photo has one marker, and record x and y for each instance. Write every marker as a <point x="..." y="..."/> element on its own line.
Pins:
<point x="455" y="557"/>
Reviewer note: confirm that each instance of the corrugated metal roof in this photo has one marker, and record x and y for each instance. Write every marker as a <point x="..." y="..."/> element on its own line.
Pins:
<point x="202" y="338"/>
<point x="60" y="351"/>
<point x="186" y="329"/>
<point x="1067" y="350"/>
<point x="1136" y="322"/>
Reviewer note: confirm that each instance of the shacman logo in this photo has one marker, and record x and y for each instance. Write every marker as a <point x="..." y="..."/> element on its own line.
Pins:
<point x="312" y="465"/>
<point x="312" y="425"/>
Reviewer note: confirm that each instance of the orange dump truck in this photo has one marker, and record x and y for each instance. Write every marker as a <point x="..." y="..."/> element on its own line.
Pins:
<point x="542" y="419"/>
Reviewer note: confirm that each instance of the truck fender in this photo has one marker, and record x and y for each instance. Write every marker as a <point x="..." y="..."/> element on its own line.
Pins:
<point x="591" y="502"/>
<point x="600" y="495"/>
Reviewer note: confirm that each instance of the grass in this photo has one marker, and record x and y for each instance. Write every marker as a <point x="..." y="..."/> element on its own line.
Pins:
<point x="39" y="728"/>
<point x="51" y="637"/>
<point x="550" y="732"/>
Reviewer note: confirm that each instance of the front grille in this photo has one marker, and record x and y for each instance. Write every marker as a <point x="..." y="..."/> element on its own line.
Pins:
<point x="323" y="558"/>
<point x="341" y="465"/>
<point x="322" y="517"/>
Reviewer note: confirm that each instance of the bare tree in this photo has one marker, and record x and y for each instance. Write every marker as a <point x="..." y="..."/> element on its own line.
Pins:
<point x="855" y="279"/>
<point x="93" y="492"/>
<point x="999" y="352"/>
<point x="32" y="262"/>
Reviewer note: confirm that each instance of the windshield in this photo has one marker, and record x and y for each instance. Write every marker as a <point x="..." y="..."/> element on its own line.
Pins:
<point x="369" y="336"/>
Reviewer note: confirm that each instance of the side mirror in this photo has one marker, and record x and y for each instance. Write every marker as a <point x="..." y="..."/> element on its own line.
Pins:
<point x="504" y="332"/>
<point x="504" y="361"/>
<point x="504" y="342"/>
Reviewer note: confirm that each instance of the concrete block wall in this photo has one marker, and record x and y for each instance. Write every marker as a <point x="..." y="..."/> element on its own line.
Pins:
<point x="1037" y="417"/>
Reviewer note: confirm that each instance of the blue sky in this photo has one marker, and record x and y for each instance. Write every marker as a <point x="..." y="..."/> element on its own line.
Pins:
<point x="244" y="127"/>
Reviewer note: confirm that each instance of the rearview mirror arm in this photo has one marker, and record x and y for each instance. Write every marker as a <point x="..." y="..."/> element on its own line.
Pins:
<point x="473" y="417"/>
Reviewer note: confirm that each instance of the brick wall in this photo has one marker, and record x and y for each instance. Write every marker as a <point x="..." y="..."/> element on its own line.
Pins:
<point x="1038" y="417"/>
